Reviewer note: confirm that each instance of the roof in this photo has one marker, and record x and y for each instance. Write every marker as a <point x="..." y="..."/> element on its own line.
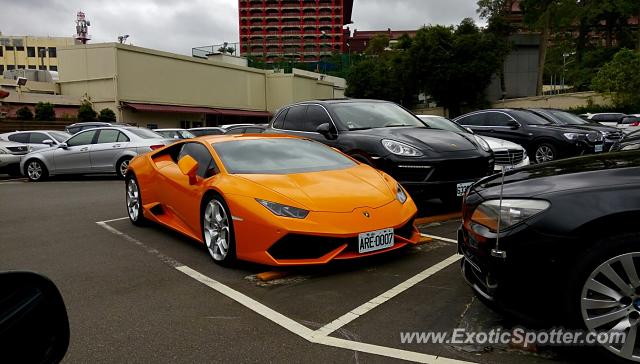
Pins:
<point x="214" y="139"/>
<point x="193" y="110"/>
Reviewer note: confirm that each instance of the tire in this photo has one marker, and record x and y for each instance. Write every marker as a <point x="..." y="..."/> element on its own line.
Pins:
<point x="217" y="230"/>
<point x="122" y="166"/>
<point x="617" y="256"/>
<point x="133" y="200"/>
<point x="35" y="170"/>
<point x="545" y="152"/>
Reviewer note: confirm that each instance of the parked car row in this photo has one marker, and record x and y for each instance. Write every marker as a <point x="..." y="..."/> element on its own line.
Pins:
<point x="624" y="122"/>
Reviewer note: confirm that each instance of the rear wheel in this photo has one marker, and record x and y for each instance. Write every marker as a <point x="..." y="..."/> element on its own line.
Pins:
<point x="134" y="202"/>
<point x="545" y="152"/>
<point x="122" y="166"/>
<point x="35" y="170"/>
<point x="217" y="231"/>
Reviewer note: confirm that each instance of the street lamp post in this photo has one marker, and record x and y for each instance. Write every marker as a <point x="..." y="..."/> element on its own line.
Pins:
<point x="564" y="67"/>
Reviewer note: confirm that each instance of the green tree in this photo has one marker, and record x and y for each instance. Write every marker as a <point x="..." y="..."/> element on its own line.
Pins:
<point x="107" y="116"/>
<point x="377" y="44"/>
<point x="45" y="111"/>
<point x="621" y="78"/>
<point x="86" y="113"/>
<point x="24" y="113"/>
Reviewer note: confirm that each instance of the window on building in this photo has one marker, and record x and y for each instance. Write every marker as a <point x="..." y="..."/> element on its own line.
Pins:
<point x="10" y="67"/>
<point x="43" y="68"/>
<point x="31" y="51"/>
<point x="1" y="68"/>
<point x="9" y="48"/>
<point x="52" y="52"/>
<point x="1" y="51"/>
<point x="32" y="67"/>
<point x="21" y="67"/>
<point x="42" y="52"/>
<point x="185" y="124"/>
<point x="20" y="49"/>
<point x="53" y="68"/>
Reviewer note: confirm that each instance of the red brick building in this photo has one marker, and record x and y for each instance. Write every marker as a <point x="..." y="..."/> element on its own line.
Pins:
<point x="297" y="30"/>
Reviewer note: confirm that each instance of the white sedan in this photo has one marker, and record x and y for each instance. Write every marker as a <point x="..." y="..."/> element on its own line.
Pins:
<point x="508" y="155"/>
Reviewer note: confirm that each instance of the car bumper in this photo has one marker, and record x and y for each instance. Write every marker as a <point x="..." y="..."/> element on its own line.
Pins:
<point x="525" y="162"/>
<point x="7" y="160"/>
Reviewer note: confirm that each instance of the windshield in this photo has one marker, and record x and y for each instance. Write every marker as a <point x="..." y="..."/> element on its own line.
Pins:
<point x="59" y="136"/>
<point x="566" y="118"/>
<point x="529" y="117"/>
<point x="145" y="133"/>
<point x="279" y="156"/>
<point x="439" y="122"/>
<point x="370" y="115"/>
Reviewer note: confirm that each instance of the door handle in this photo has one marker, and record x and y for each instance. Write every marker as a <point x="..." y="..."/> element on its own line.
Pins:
<point x="84" y="149"/>
<point x="116" y="146"/>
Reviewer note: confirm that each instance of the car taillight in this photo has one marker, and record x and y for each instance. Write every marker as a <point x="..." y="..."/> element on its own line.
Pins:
<point x="157" y="146"/>
<point x="637" y="123"/>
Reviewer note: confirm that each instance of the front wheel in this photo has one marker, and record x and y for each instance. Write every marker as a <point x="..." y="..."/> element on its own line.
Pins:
<point x="36" y="171"/>
<point x="134" y="202"/>
<point x="545" y="152"/>
<point x="217" y="231"/>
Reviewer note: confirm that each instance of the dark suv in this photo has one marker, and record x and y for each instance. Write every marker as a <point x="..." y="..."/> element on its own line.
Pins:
<point x="428" y="162"/>
<point x="543" y="140"/>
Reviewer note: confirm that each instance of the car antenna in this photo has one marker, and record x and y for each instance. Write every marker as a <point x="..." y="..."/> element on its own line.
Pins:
<point x="497" y="253"/>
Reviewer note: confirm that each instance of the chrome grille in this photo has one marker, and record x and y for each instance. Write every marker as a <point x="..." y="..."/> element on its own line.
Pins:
<point x="595" y="137"/>
<point x="18" y="150"/>
<point x="509" y="157"/>
<point x="613" y="135"/>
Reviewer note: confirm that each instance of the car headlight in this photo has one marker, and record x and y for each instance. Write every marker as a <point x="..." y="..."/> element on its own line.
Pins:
<point x="512" y="213"/>
<point x="483" y="143"/>
<point x="574" y="136"/>
<point x="402" y="149"/>
<point x="631" y="147"/>
<point x="401" y="195"/>
<point x="284" y="210"/>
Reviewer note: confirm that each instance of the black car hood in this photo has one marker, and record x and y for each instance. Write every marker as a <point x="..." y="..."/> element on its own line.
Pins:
<point x="561" y="175"/>
<point x="424" y="138"/>
<point x="589" y="127"/>
<point x="563" y="128"/>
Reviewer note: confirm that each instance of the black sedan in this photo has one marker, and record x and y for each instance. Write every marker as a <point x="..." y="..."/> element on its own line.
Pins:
<point x="543" y="140"/>
<point x="561" y="245"/>
<point x="611" y="134"/>
<point x="428" y="162"/>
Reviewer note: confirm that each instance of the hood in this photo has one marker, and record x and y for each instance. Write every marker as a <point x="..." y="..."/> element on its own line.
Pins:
<point x="424" y="138"/>
<point x="497" y="144"/>
<point x="329" y="191"/>
<point x="565" y="128"/>
<point x="560" y="175"/>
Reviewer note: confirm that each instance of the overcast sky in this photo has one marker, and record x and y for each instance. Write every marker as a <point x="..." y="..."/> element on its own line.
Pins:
<point x="179" y="25"/>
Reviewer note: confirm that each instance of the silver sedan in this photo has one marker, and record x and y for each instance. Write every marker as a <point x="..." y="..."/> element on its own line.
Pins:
<point x="100" y="150"/>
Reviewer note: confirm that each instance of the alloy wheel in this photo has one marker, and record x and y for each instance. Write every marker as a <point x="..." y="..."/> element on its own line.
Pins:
<point x="216" y="230"/>
<point x="124" y="165"/>
<point x="544" y="153"/>
<point x="133" y="200"/>
<point x="610" y="302"/>
<point x="34" y="170"/>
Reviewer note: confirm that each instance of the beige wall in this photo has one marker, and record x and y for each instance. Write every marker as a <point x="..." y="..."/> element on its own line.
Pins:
<point x="109" y="74"/>
<point x="19" y="58"/>
<point x="564" y="101"/>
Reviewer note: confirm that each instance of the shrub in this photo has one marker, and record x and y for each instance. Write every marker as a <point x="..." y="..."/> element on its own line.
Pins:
<point x="86" y="113"/>
<point x="107" y="116"/>
<point x="24" y="113"/>
<point x="45" y="111"/>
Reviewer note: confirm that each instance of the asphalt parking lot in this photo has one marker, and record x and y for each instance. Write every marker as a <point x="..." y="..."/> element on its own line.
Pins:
<point x="147" y="294"/>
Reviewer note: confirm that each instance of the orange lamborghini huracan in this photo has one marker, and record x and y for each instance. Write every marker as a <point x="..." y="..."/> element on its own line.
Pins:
<point x="275" y="200"/>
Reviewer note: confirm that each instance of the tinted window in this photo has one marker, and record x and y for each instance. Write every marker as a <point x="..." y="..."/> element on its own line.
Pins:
<point x="279" y="121"/>
<point x="279" y="156"/>
<point x="368" y="115"/>
<point x="316" y="115"/>
<point x="497" y="119"/>
<point x="108" y="136"/>
<point x="83" y="138"/>
<point x="206" y="164"/>
<point x="59" y="136"/>
<point x="529" y="118"/>
<point x="439" y="122"/>
<point x="144" y="133"/>
<point x="295" y="118"/>
<point x="19" y="138"/>
<point x="608" y="117"/>
<point x="38" y="138"/>
<point x="473" y="120"/>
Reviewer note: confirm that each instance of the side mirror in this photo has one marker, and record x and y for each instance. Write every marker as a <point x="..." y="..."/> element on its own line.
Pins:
<point x="469" y="130"/>
<point x="325" y="129"/>
<point x="189" y="167"/>
<point x="514" y="125"/>
<point x="63" y="145"/>
<point x="48" y="142"/>
<point x="34" y="326"/>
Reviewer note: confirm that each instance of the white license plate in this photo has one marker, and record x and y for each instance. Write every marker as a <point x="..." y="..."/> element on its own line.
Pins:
<point x="599" y="148"/>
<point x="461" y="188"/>
<point x="375" y="240"/>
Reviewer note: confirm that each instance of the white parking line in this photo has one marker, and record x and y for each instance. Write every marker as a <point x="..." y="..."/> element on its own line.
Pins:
<point x="440" y="238"/>
<point x="319" y="336"/>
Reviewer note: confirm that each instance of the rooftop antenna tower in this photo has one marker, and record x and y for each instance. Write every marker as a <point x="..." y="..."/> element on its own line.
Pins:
<point x="82" y="28"/>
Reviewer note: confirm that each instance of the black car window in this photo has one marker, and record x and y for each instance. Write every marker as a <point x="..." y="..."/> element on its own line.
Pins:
<point x="473" y="120"/>
<point x="278" y="123"/>
<point x="442" y="123"/>
<point x="206" y="164"/>
<point x="19" y="137"/>
<point x="608" y="117"/>
<point x="38" y="138"/>
<point x="108" y="136"/>
<point x="495" y="118"/>
<point x="316" y="115"/>
<point x="295" y="118"/>
<point x="82" y="138"/>
<point x="529" y="118"/>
